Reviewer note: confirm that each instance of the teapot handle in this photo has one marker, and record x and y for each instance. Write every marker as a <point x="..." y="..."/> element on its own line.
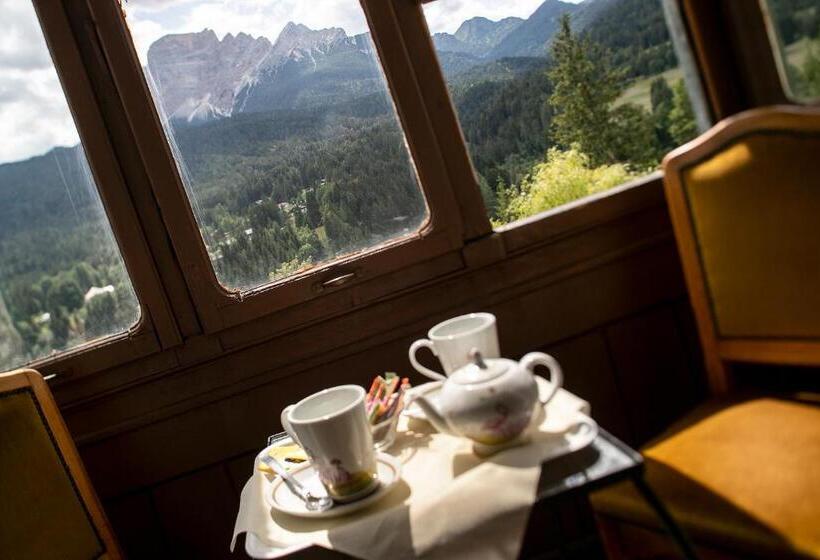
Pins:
<point x="533" y="359"/>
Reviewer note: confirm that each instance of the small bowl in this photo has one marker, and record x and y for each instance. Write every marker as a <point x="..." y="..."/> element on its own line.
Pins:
<point x="384" y="433"/>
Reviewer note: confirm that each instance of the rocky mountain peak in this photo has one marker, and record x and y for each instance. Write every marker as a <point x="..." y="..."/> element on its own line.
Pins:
<point x="197" y="75"/>
<point x="298" y="36"/>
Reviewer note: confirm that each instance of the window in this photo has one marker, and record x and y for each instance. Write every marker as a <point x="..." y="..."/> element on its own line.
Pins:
<point x="283" y="131"/>
<point x="794" y="29"/>
<point x="560" y="100"/>
<point x="62" y="280"/>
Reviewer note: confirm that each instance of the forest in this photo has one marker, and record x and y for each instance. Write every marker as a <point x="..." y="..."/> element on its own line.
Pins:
<point x="279" y="192"/>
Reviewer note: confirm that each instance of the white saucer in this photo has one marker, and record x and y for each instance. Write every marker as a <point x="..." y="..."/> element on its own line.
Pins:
<point x="432" y="390"/>
<point x="282" y="499"/>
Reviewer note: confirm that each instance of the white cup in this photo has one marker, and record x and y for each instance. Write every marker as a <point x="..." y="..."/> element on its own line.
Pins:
<point x="332" y="428"/>
<point x="452" y="341"/>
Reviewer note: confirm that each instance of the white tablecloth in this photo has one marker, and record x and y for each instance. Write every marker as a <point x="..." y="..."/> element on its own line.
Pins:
<point x="449" y="504"/>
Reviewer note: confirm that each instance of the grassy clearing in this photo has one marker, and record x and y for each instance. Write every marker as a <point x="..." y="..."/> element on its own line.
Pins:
<point x="638" y="92"/>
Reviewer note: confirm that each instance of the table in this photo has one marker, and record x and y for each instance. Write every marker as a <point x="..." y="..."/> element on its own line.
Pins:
<point x="606" y="461"/>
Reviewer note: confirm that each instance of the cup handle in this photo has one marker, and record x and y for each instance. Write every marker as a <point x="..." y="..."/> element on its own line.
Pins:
<point x="286" y="425"/>
<point x="424" y="343"/>
<point x="556" y="374"/>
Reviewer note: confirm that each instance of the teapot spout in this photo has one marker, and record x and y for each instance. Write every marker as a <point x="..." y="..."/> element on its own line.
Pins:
<point x="434" y="416"/>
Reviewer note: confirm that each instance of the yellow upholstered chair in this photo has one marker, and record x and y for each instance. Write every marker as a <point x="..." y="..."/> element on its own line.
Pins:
<point x="48" y="509"/>
<point x="741" y="475"/>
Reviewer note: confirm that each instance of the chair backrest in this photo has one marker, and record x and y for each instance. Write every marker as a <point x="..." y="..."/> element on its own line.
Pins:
<point x="745" y="205"/>
<point x="48" y="508"/>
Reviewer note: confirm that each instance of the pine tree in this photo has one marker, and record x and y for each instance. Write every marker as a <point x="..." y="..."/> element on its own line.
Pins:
<point x="584" y="88"/>
<point x="682" y="125"/>
<point x="662" y="99"/>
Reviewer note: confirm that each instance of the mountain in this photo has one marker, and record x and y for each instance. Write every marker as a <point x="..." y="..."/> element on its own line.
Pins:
<point x="641" y="48"/>
<point x="531" y="37"/>
<point x="327" y="68"/>
<point x="197" y="76"/>
<point x="476" y="36"/>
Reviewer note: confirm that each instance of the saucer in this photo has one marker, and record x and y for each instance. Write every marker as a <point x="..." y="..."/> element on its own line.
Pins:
<point x="285" y="501"/>
<point x="432" y="390"/>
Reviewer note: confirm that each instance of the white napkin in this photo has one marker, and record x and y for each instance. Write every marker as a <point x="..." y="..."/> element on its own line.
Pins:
<point x="449" y="504"/>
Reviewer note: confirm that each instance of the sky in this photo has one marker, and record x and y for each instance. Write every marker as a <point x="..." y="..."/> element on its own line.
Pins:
<point x="34" y="116"/>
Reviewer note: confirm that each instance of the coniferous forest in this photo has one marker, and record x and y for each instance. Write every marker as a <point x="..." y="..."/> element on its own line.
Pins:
<point x="278" y="192"/>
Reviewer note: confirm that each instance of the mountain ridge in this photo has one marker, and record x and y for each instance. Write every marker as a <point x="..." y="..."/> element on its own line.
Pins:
<point x="198" y="77"/>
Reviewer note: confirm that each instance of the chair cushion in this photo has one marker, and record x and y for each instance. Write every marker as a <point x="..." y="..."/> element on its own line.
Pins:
<point x="754" y="207"/>
<point x="742" y="477"/>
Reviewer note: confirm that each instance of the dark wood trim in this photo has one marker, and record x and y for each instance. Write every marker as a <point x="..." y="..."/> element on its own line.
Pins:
<point x="79" y="43"/>
<point x="708" y="25"/>
<point x="430" y="79"/>
<point x="583" y="214"/>
<point x="157" y="327"/>
<point x="756" y="58"/>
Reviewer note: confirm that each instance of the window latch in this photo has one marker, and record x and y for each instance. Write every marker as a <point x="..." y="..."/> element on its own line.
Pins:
<point x="337" y="281"/>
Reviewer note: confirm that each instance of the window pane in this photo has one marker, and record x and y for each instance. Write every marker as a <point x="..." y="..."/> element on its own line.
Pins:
<point x="560" y="100"/>
<point x="62" y="280"/>
<point x="795" y="29"/>
<point x="283" y="130"/>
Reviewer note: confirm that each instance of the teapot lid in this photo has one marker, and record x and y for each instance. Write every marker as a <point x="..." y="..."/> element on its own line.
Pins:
<point x="480" y="370"/>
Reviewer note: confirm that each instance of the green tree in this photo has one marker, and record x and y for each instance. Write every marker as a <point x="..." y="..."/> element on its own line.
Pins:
<point x="637" y="141"/>
<point x="808" y="77"/>
<point x="86" y="276"/>
<point x="682" y="125"/>
<point x="60" y="326"/>
<point x="584" y="88"/>
<point x="662" y="99"/>
<point x="65" y="293"/>
<point x="314" y="213"/>
<point x="564" y="176"/>
<point x="101" y="315"/>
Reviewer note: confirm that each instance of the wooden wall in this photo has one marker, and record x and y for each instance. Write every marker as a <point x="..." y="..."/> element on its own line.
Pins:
<point x="606" y="299"/>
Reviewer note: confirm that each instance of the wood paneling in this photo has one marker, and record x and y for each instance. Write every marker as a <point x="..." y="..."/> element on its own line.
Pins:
<point x="136" y="525"/>
<point x="588" y="371"/>
<point x="653" y="372"/>
<point x="197" y="514"/>
<point x="607" y="300"/>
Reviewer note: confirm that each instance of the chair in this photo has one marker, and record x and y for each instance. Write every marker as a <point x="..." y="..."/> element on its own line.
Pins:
<point x="741" y="473"/>
<point x="48" y="508"/>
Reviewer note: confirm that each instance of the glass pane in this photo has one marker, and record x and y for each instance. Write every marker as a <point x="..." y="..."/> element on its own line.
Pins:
<point x="795" y="29"/>
<point x="560" y="100"/>
<point x="283" y="130"/>
<point x="62" y="280"/>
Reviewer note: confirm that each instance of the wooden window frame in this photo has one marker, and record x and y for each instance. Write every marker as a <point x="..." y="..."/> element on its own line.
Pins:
<point x="187" y="316"/>
<point x="220" y="308"/>
<point x="156" y="327"/>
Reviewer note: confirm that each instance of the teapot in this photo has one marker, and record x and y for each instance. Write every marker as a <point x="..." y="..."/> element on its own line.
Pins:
<point x="491" y="401"/>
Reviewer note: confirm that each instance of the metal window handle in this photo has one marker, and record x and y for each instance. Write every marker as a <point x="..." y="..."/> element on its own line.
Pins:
<point x="339" y="280"/>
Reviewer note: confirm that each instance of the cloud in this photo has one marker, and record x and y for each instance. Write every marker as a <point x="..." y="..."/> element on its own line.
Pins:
<point x="34" y="115"/>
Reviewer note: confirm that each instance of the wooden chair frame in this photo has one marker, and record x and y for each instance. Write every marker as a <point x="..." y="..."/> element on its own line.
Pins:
<point x="719" y="350"/>
<point x="31" y="379"/>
